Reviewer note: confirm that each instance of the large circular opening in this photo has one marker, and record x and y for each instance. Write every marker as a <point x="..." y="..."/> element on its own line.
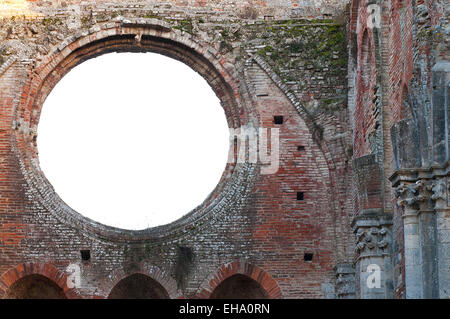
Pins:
<point x="133" y="140"/>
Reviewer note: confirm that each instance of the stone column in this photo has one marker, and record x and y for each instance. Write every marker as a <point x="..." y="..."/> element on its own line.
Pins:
<point x="373" y="266"/>
<point x="428" y="239"/>
<point x="426" y="235"/>
<point x="407" y="193"/>
<point x="441" y="191"/>
<point x="441" y="170"/>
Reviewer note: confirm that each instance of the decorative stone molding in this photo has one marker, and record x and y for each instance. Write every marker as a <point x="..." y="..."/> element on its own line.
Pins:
<point x="368" y="239"/>
<point x="423" y="193"/>
<point x="414" y="174"/>
<point x="441" y="189"/>
<point x="406" y="195"/>
<point x="372" y="230"/>
<point x="411" y="194"/>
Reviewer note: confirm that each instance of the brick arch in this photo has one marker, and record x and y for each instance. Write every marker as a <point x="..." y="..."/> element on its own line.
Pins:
<point x="240" y="268"/>
<point x="155" y="273"/>
<point x="366" y="57"/>
<point x="354" y="16"/>
<point x="49" y="271"/>
<point x="217" y="71"/>
<point x="129" y="37"/>
<point x="366" y="82"/>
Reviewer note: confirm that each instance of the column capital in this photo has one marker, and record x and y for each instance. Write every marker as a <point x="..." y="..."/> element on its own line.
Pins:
<point x="412" y="196"/>
<point x="372" y="229"/>
<point x="441" y="191"/>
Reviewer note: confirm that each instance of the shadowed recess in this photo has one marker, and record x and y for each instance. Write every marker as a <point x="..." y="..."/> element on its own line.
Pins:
<point x="35" y="287"/>
<point x="239" y="287"/>
<point x="138" y="286"/>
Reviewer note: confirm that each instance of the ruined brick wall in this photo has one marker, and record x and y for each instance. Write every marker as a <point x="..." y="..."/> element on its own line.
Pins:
<point x="363" y="176"/>
<point x="223" y="9"/>
<point x="391" y="99"/>
<point x="414" y="45"/>
<point x="263" y="59"/>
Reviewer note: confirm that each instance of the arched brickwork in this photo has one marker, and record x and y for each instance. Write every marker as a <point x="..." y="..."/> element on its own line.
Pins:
<point x="49" y="271"/>
<point x="154" y="36"/>
<point x="243" y="268"/>
<point x="366" y="116"/>
<point x="166" y="281"/>
<point x="138" y="286"/>
<point x="239" y="287"/>
<point x="273" y="220"/>
<point x="222" y="40"/>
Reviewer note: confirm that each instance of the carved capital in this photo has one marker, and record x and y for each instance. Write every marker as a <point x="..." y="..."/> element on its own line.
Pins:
<point x="372" y="241"/>
<point x="440" y="190"/>
<point x="410" y="195"/>
<point x="372" y="231"/>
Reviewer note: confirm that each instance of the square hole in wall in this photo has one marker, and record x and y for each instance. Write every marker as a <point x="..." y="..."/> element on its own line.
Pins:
<point x="300" y="148"/>
<point x="308" y="257"/>
<point x="278" y="119"/>
<point x="85" y="255"/>
<point x="300" y="195"/>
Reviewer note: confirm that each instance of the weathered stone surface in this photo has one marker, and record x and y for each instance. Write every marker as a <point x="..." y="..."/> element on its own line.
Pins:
<point x="363" y="105"/>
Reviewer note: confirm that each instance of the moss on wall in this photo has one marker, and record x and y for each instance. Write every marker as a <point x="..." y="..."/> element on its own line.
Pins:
<point x="306" y="55"/>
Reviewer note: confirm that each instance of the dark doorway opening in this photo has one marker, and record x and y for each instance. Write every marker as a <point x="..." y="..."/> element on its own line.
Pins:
<point x="35" y="287"/>
<point x="239" y="287"/>
<point x="138" y="286"/>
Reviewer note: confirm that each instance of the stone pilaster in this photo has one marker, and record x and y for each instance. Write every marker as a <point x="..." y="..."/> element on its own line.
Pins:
<point x="422" y="196"/>
<point x="419" y="237"/>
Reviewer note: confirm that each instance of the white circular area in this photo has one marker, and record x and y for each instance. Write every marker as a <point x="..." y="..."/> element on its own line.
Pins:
<point x="133" y="140"/>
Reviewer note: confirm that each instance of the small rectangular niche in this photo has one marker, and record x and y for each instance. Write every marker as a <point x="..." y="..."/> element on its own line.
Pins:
<point x="300" y="195"/>
<point x="278" y="119"/>
<point x="300" y="148"/>
<point x="85" y="255"/>
<point x="308" y="257"/>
